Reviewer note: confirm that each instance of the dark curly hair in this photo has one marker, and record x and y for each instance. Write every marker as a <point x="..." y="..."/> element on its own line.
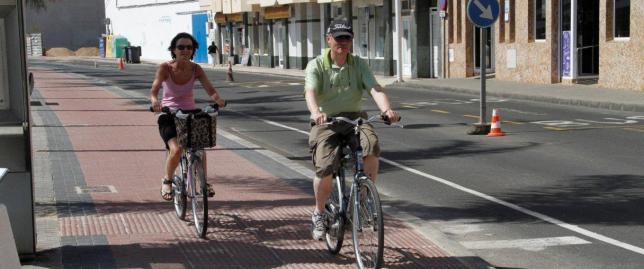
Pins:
<point x="173" y="44"/>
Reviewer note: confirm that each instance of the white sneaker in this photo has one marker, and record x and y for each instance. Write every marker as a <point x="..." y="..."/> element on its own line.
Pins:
<point x="319" y="226"/>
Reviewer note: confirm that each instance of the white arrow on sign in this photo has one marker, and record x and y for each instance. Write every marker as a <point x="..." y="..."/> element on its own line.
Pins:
<point x="487" y="11"/>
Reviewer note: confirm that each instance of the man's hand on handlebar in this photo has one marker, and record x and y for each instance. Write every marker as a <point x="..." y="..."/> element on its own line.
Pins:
<point x="319" y="118"/>
<point x="390" y="116"/>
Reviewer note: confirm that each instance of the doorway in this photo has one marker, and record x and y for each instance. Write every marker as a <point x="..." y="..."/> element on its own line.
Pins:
<point x="279" y="30"/>
<point x="436" y="57"/>
<point x="406" y="45"/>
<point x="588" y="38"/>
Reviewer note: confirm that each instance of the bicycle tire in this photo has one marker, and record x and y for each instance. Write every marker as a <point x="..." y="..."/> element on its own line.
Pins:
<point x="368" y="219"/>
<point x="199" y="198"/>
<point x="179" y="190"/>
<point x="334" y="207"/>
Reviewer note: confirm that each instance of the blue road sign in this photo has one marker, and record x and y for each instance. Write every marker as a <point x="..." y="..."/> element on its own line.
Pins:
<point x="483" y="13"/>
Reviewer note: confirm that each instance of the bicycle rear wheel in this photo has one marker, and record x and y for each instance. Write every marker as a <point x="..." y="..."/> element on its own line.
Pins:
<point x="334" y="206"/>
<point x="179" y="189"/>
<point x="368" y="225"/>
<point x="199" y="198"/>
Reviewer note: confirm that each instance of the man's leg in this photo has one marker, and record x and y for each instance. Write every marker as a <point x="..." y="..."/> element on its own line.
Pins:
<point x="371" y="166"/>
<point x="322" y="187"/>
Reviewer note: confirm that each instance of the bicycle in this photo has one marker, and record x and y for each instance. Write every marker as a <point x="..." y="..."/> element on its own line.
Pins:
<point x="190" y="179"/>
<point x="363" y="195"/>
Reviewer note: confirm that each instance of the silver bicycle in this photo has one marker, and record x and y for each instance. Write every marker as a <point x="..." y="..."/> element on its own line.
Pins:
<point x="358" y="207"/>
<point x="190" y="180"/>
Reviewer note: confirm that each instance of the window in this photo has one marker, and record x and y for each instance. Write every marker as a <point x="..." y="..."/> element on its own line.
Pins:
<point x="622" y="18"/>
<point x="381" y="31"/>
<point x="540" y="20"/>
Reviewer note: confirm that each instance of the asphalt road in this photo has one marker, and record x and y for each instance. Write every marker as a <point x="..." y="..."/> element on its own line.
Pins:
<point x="561" y="190"/>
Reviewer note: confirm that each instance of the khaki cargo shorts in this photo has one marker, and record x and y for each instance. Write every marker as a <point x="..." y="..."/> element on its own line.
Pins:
<point x="324" y="143"/>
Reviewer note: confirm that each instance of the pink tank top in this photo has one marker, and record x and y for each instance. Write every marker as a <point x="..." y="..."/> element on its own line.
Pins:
<point x="178" y="95"/>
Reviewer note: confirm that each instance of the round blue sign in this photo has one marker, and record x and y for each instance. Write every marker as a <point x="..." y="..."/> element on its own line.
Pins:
<point x="483" y="13"/>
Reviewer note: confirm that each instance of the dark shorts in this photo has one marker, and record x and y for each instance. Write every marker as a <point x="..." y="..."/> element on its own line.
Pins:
<point x="324" y="143"/>
<point x="167" y="129"/>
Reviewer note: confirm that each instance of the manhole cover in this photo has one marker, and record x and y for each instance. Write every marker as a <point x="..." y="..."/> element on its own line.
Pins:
<point x="96" y="189"/>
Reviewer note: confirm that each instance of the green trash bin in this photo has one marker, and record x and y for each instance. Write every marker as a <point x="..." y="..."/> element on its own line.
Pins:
<point x="118" y="50"/>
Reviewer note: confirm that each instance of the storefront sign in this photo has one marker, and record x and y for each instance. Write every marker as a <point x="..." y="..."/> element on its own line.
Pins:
<point x="280" y="12"/>
<point x="220" y="18"/>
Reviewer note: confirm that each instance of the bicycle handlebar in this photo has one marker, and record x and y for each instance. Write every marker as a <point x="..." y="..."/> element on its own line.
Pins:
<point x="359" y="121"/>
<point x="212" y="110"/>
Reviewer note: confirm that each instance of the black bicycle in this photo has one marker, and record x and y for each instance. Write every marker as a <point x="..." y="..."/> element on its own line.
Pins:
<point x="359" y="207"/>
<point x="190" y="179"/>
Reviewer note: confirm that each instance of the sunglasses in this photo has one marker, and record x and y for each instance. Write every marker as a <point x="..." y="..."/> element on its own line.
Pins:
<point x="343" y="38"/>
<point x="183" y="47"/>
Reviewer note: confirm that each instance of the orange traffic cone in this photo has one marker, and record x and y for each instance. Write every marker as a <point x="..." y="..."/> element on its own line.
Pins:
<point x="121" y="64"/>
<point x="496" y="125"/>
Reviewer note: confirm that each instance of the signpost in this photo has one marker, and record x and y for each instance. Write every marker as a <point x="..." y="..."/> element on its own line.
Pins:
<point x="482" y="13"/>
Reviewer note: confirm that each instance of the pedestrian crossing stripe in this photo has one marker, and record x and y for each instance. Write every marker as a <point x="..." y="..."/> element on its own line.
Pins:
<point x="533" y="244"/>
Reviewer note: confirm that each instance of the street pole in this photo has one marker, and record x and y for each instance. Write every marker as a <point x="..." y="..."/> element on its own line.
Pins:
<point x="399" y="42"/>
<point x="483" y="66"/>
<point x="482" y="127"/>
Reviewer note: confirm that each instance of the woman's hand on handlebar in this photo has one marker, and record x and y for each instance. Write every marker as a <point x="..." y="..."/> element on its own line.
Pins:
<point x="221" y="103"/>
<point x="156" y="106"/>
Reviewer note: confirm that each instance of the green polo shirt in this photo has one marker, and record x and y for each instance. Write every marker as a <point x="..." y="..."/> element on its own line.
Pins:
<point x="338" y="88"/>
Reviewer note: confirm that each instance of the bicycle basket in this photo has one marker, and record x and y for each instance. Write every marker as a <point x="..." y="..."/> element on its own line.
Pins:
<point x="196" y="131"/>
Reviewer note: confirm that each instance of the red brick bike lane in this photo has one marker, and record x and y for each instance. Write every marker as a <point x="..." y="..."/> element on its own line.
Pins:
<point x="257" y="220"/>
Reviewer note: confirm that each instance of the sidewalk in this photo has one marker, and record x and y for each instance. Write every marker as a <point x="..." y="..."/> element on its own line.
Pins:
<point x="97" y="165"/>
<point x="576" y="94"/>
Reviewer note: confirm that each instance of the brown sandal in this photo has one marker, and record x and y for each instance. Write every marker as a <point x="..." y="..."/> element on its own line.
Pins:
<point x="165" y="194"/>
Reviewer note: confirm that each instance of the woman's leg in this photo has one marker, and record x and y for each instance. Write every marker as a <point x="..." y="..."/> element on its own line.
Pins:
<point x="174" y="155"/>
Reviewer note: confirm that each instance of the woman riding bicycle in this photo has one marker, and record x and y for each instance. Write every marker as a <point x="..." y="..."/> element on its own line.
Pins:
<point x="177" y="79"/>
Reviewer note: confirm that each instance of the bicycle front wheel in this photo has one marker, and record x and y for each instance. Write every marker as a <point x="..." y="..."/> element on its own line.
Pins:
<point x="334" y="207"/>
<point x="368" y="225"/>
<point x="199" y="198"/>
<point x="179" y="189"/>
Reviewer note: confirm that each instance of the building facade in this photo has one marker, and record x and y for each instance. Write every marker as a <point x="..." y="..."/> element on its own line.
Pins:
<point x="534" y="41"/>
<point x="553" y="41"/>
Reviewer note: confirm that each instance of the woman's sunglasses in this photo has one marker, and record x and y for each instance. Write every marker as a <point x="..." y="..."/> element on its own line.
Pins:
<point x="183" y="47"/>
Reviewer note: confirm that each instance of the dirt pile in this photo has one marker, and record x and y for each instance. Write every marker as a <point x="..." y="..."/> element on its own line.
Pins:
<point x="87" y="51"/>
<point x="59" y="52"/>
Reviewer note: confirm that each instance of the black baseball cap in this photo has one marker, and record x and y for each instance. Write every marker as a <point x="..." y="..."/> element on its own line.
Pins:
<point x="340" y="27"/>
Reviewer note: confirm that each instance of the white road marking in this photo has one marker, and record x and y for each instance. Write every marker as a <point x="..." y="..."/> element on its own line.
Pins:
<point x="571" y="227"/>
<point x="533" y="244"/>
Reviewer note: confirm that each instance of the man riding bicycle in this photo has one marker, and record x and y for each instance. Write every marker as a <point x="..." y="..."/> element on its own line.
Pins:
<point x="334" y="85"/>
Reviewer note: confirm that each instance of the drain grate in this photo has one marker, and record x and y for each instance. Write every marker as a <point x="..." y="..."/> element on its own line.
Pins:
<point x="35" y="103"/>
<point x="51" y="103"/>
<point x="96" y="189"/>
